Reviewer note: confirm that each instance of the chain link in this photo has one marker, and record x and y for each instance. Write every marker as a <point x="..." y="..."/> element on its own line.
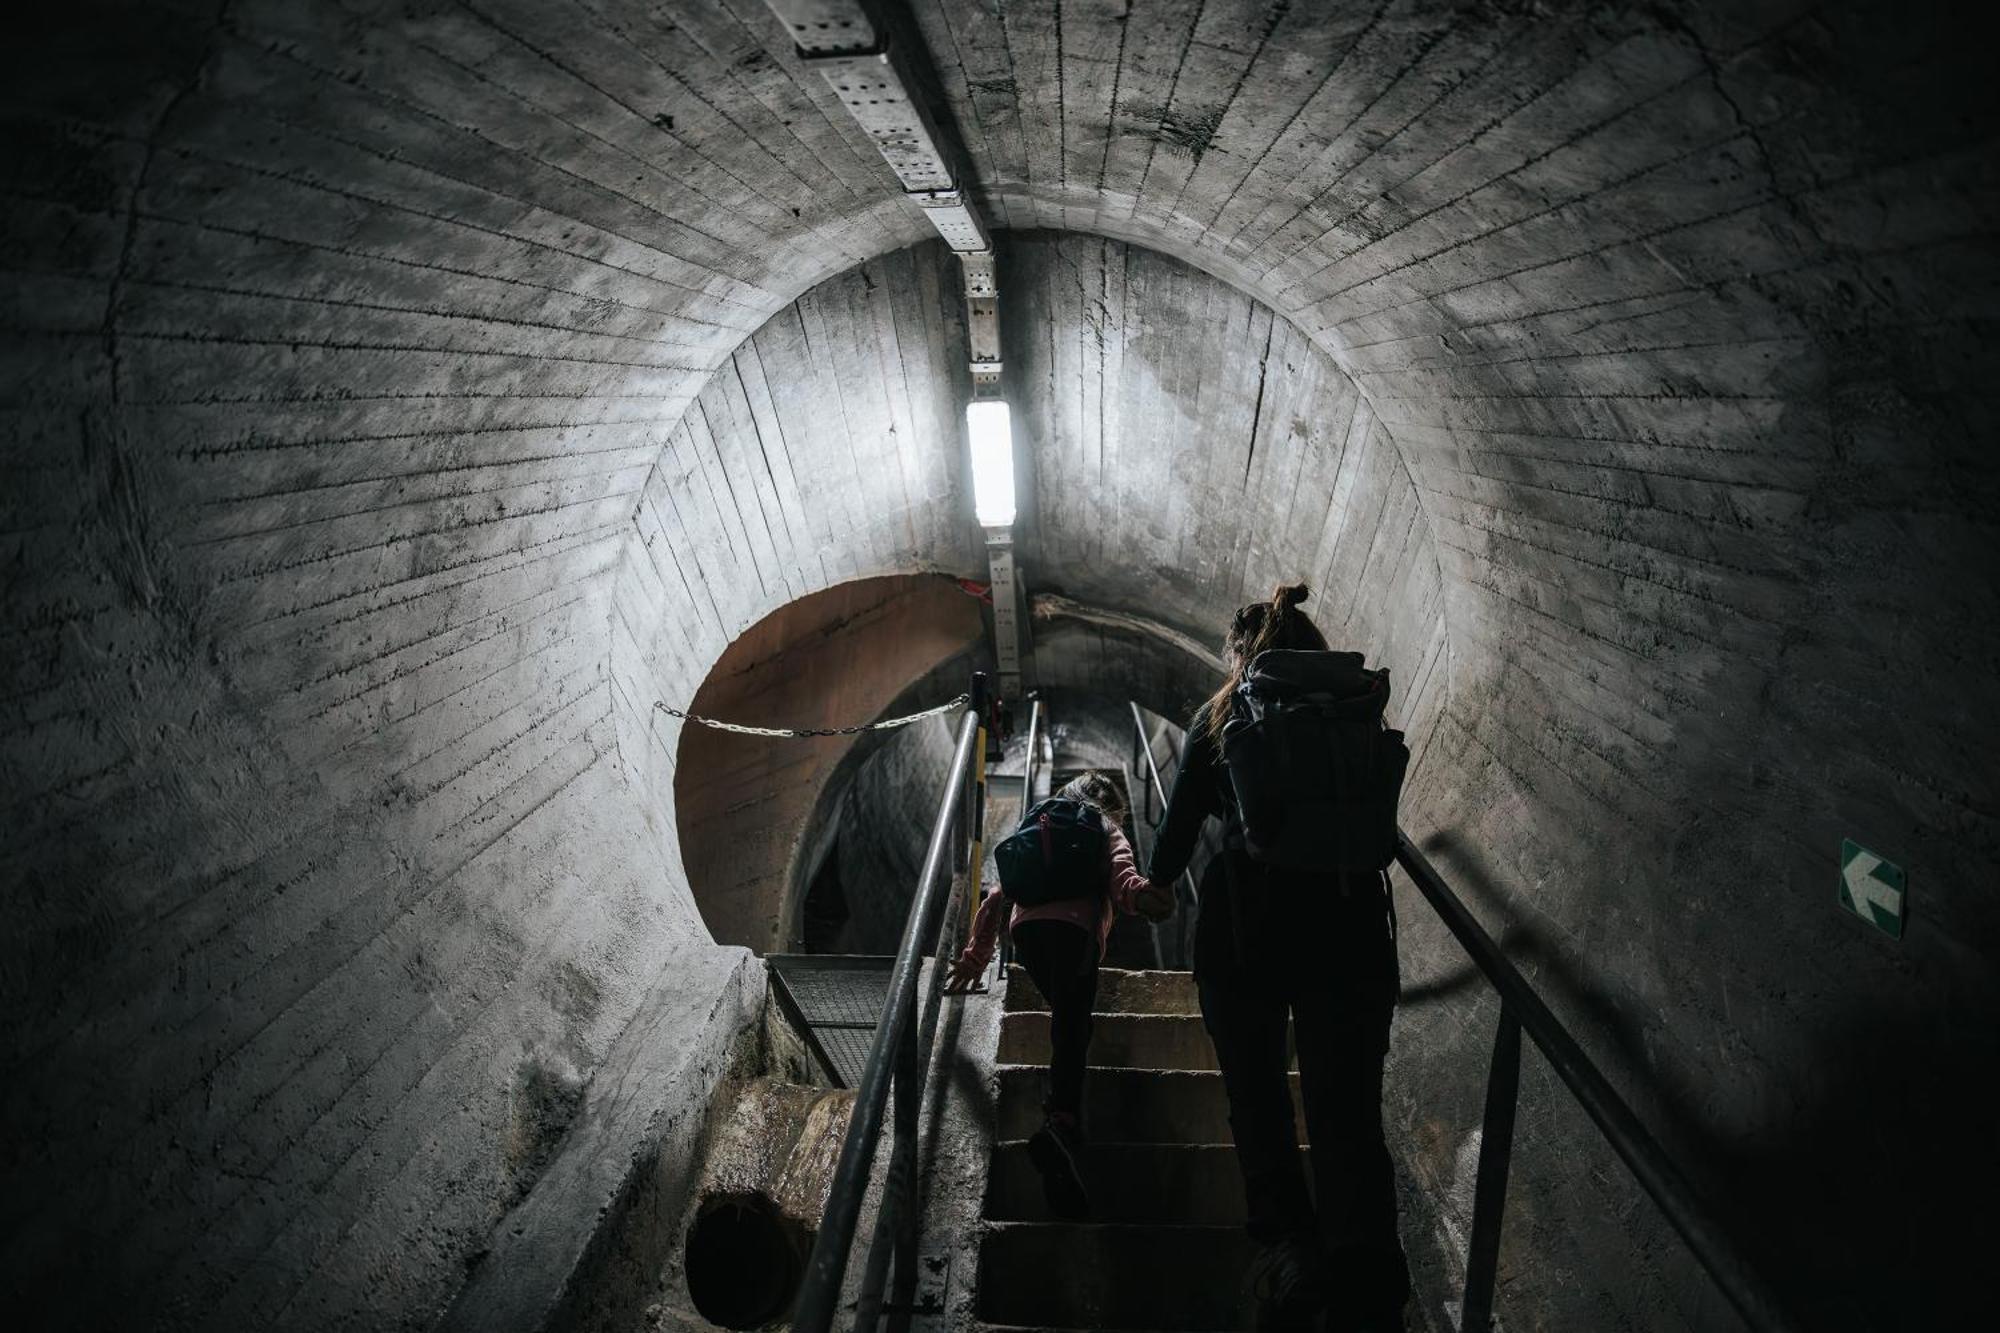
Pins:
<point x="887" y="724"/>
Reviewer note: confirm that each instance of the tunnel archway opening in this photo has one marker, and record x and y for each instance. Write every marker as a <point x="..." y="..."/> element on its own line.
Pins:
<point x="744" y="1261"/>
<point x="825" y="914"/>
<point x="834" y="658"/>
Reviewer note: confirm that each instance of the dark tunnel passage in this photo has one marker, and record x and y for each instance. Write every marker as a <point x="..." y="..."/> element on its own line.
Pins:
<point x="400" y="399"/>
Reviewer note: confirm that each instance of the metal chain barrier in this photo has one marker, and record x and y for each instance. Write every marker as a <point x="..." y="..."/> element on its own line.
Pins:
<point x="887" y="724"/>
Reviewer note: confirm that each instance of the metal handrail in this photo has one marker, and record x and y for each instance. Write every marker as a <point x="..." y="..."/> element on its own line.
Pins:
<point x="1034" y="746"/>
<point x="892" y="1058"/>
<point x="1522" y="1009"/>
<point x="1184" y="889"/>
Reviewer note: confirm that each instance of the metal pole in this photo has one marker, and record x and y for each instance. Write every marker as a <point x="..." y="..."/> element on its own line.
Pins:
<point x="973" y="869"/>
<point x="819" y="1295"/>
<point x="1489" y="1196"/>
<point x="909" y="1100"/>
<point x="1184" y="887"/>
<point x="1146" y="749"/>
<point x="897" y="1221"/>
<point x="875" y="1275"/>
<point x="1027" y="800"/>
<point x="1034" y="747"/>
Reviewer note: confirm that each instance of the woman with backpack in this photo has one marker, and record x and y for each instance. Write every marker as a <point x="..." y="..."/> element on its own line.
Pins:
<point x="1060" y="942"/>
<point x="1280" y="939"/>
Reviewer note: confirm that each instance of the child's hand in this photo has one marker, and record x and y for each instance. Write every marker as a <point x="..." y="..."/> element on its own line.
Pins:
<point x="1155" y="902"/>
<point x="964" y="976"/>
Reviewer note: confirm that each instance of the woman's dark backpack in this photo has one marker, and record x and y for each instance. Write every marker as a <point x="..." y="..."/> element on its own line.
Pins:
<point x="1060" y="850"/>
<point x="1316" y="773"/>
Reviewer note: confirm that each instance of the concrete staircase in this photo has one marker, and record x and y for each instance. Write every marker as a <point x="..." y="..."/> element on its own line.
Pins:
<point x="1164" y="1248"/>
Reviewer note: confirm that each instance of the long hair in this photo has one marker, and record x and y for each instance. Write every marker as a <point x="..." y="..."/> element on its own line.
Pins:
<point x="1256" y="628"/>
<point x="1095" y="787"/>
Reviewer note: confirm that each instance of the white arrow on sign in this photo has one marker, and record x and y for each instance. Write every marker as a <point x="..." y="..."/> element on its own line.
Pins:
<point x="1865" y="889"/>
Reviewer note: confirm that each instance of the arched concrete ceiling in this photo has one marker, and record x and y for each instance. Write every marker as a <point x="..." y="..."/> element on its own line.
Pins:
<point x="350" y="357"/>
<point x="827" y="449"/>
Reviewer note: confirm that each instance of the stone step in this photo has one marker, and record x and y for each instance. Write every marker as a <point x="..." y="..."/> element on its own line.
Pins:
<point x="1118" y="992"/>
<point x="1195" y="1183"/>
<point x="1108" y="1276"/>
<point x="1117" y="1040"/>
<point x="1128" y="1105"/>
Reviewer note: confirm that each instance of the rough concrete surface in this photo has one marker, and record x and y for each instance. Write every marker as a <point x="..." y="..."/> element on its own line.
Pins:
<point x="643" y="1116"/>
<point x="396" y="399"/>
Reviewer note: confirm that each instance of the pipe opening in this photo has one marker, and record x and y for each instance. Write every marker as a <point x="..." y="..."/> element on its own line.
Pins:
<point x="745" y="1260"/>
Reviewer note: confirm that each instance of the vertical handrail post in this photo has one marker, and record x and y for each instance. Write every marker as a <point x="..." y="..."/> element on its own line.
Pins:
<point x="1489" y="1195"/>
<point x="1184" y="887"/>
<point x="1034" y="748"/>
<point x="976" y="803"/>
<point x="1027" y="799"/>
<point x="909" y="1098"/>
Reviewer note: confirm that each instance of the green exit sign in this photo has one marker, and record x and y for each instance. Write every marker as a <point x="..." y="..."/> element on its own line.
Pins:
<point x="1872" y="888"/>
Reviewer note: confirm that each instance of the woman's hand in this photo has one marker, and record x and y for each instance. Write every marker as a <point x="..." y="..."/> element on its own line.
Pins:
<point x="965" y="975"/>
<point x="1155" y="902"/>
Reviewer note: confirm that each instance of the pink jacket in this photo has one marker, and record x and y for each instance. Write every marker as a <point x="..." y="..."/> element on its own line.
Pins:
<point x="1086" y="913"/>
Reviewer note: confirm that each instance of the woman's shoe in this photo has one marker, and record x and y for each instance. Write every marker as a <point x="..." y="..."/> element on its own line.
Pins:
<point x="1052" y="1149"/>
<point x="1288" y="1283"/>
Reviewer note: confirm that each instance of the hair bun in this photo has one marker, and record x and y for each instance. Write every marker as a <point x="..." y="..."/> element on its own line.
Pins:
<point x="1290" y="595"/>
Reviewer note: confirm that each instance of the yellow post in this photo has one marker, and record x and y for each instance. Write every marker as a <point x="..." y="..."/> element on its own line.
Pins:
<point x="975" y="872"/>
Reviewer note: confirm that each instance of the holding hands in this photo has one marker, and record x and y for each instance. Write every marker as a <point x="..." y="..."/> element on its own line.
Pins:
<point x="1155" y="902"/>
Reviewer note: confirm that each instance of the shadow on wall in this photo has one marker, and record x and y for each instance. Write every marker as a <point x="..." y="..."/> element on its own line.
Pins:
<point x="1831" y="1194"/>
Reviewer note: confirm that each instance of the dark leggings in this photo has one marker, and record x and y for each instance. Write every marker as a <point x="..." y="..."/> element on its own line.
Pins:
<point x="1062" y="959"/>
<point x="1332" y="975"/>
<point x="1340" y="1056"/>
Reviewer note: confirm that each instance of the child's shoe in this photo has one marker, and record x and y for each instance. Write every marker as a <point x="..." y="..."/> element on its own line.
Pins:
<point x="1053" y="1151"/>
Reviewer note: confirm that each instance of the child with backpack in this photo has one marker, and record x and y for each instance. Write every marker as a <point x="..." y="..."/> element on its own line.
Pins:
<point x="1292" y="754"/>
<point x="1065" y="873"/>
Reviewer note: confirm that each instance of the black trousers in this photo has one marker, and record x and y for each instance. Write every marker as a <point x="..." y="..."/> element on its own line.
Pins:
<point x="1062" y="959"/>
<point x="1319" y="954"/>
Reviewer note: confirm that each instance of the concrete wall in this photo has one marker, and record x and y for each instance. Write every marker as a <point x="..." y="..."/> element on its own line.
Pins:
<point x="349" y="385"/>
<point x="1187" y="450"/>
<point x="341" y="342"/>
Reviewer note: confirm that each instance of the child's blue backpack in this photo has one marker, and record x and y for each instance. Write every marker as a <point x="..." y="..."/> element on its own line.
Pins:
<point x="1060" y="850"/>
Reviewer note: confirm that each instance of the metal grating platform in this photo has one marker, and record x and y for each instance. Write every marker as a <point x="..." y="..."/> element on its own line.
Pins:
<point x="836" y="1000"/>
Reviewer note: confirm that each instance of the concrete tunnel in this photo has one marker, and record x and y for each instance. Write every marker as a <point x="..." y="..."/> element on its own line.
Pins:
<point x="401" y="398"/>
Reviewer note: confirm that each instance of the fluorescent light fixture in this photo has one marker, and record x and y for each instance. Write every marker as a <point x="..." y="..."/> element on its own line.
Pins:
<point x="992" y="431"/>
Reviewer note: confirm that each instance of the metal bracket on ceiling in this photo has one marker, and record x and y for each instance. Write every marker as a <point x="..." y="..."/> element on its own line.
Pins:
<point x="982" y="322"/>
<point x="837" y="38"/>
<point x="955" y="221"/>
